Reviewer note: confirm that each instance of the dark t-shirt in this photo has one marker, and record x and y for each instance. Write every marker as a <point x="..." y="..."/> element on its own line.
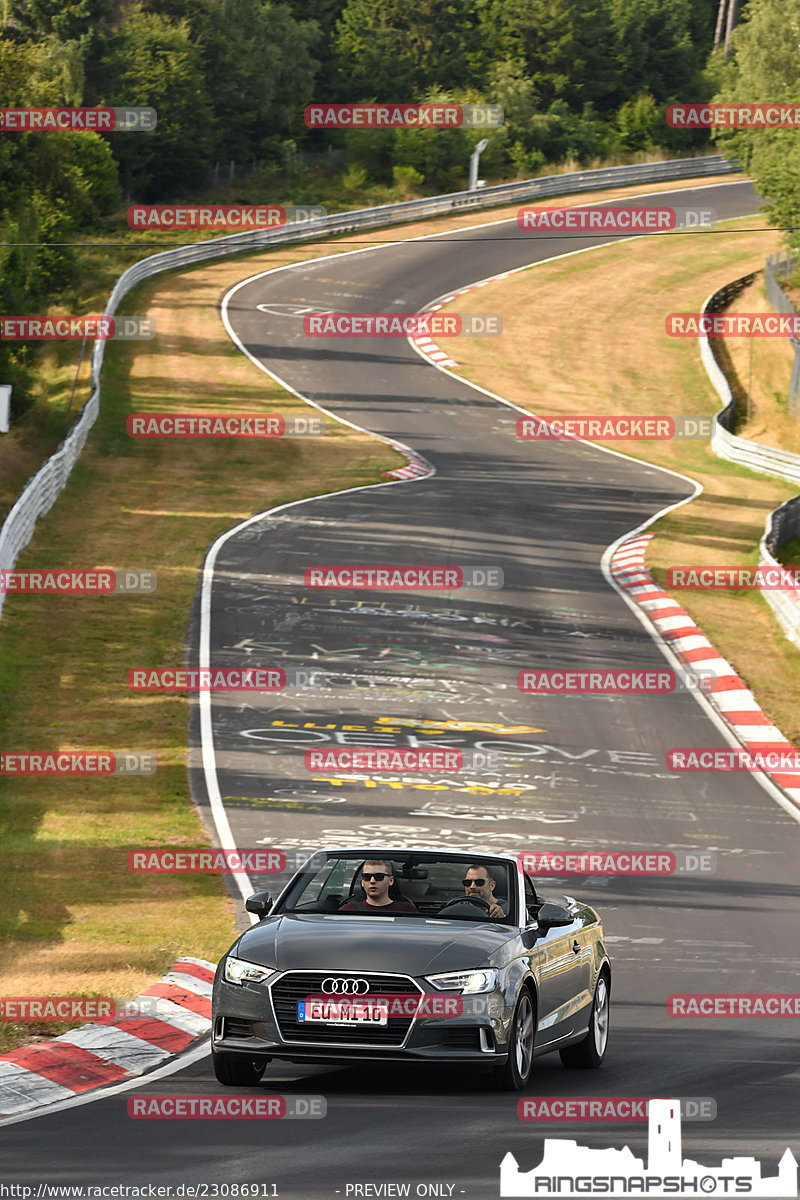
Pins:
<point x="361" y="906"/>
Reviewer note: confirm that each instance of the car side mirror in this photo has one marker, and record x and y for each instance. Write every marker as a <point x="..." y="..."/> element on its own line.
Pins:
<point x="259" y="903"/>
<point x="552" y="916"/>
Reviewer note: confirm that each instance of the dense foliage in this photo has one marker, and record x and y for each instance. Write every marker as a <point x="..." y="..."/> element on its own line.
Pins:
<point x="578" y="79"/>
<point x="765" y="68"/>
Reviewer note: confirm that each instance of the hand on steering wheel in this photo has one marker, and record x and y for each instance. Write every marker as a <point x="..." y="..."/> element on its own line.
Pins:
<point x="476" y="900"/>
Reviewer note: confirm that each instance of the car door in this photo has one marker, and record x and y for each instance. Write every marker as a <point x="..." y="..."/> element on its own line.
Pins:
<point x="561" y="958"/>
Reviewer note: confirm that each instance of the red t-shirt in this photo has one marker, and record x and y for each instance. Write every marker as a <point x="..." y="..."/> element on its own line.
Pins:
<point x="361" y="906"/>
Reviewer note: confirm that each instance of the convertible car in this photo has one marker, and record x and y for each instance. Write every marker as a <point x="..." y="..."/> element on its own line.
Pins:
<point x="436" y="956"/>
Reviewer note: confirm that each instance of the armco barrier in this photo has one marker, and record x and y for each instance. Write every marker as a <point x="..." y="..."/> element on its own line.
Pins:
<point x="784" y="523"/>
<point x="766" y="459"/>
<point x="41" y="490"/>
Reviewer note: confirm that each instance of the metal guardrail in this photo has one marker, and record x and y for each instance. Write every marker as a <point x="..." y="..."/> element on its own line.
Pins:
<point x="783" y="523"/>
<point x="41" y="491"/>
<point x="767" y="459"/>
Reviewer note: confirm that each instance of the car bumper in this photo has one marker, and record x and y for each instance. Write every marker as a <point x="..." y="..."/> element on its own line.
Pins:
<point x="245" y="1022"/>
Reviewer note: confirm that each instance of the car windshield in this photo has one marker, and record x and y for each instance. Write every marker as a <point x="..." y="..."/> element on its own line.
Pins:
<point x="429" y="885"/>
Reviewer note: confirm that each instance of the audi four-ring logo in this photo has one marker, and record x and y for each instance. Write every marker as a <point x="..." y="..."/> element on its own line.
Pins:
<point x="345" y="987"/>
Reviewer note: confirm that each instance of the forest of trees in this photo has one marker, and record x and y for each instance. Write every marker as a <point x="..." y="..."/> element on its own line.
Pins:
<point x="578" y="80"/>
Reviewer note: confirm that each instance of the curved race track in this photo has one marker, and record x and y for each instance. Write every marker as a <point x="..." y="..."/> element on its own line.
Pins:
<point x="577" y="771"/>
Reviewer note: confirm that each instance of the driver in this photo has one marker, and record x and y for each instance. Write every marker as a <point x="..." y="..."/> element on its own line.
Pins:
<point x="479" y="881"/>
<point x="376" y="879"/>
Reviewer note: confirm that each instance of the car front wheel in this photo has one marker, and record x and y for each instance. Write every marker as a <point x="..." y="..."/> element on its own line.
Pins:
<point x="237" y="1070"/>
<point x="514" y="1074"/>
<point x="589" y="1054"/>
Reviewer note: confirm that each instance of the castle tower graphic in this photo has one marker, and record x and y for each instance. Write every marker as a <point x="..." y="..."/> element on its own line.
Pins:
<point x="664" y="1137"/>
<point x="564" y="1161"/>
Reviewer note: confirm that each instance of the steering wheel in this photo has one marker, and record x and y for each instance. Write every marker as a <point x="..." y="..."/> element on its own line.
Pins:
<point x="478" y="901"/>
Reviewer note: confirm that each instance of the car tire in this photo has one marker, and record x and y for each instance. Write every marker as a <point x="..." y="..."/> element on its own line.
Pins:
<point x="588" y="1054"/>
<point x="513" y="1076"/>
<point x="237" y="1070"/>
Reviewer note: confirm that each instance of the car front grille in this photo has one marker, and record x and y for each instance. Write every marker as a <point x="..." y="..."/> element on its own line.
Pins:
<point x="297" y="985"/>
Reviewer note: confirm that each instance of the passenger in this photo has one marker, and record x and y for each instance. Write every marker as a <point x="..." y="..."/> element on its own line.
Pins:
<point x="376" y="879"/>
<point x="480" y="882"/>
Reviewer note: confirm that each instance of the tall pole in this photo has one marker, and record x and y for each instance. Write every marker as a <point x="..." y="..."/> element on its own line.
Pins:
<point x="733" y="7"/>
<point x="720" y="21"/>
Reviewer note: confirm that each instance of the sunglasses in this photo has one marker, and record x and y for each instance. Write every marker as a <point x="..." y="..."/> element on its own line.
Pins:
<point x="477" y="882"/>
<point x="378" y="875"/>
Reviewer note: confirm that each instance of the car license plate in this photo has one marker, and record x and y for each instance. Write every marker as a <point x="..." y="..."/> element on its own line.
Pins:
<point x="342" y="1012"/>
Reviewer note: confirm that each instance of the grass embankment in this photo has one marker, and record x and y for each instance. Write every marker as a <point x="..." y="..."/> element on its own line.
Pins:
<point x="75" y="921"/>
<point x="759" y="370"/>
<point x="585" y="335"/>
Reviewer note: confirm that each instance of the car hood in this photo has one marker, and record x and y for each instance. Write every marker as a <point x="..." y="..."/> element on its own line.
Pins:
<point x="412" y="946"/>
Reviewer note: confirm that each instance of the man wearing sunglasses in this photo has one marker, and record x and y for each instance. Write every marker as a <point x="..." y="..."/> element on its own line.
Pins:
<point x="376" y="879"/>
<point x="478" y="881"/>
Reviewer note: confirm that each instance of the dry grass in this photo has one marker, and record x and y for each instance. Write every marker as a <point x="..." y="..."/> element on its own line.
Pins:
<point x="74" y="920"/>
<point x="761" y="368"/>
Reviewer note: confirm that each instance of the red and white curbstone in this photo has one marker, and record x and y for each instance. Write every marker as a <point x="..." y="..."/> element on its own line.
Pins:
<point x="428" y="347"/>
<point x="731" y="697"/>
<point x="114" y="1048"/>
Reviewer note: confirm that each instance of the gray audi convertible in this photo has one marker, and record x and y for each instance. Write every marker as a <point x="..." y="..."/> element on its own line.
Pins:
<point x="384" y="954"/>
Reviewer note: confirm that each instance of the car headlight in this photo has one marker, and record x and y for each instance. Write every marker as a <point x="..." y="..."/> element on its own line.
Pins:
<point x="466" y="982"/>
<point x="237" y="970"/>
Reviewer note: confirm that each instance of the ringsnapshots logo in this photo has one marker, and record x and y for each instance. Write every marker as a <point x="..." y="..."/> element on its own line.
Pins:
<point x="403" y="116"/>
<point x="569" y="1169"/>
<point x="221" y="216"/>
<point x="223" y="425"/>
<point x="127" y="119"/>
<point x="225" y="1108"/>
<point x="608" y="1108"/>
<point x="613" y="428"/>
<point x="606" y="218"/>
<point x="76" y="329"/>
<point x="399" y="578"/>
<point x="734" y="116"/>
<point x="420" y="324"/>
<point x="732" y="325"/>
<point x="569" y="681"/>
<point x="618" y="862"/>
<point x="764" y="578"/>
<point x="69" y="581"/>
<point x="222" y="679"/>
<point x="78" y="762"/>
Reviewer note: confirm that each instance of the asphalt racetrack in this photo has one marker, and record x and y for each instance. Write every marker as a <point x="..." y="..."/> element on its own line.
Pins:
<point x="574" y="771"/>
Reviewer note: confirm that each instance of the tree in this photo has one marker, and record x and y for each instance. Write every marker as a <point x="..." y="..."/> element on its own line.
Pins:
<point x="657" y="49"/>
<point x="398" y="49"/>
<point x="154" y="62"/>
<point x="567" y="48"/>
<point x="765" y="68"/>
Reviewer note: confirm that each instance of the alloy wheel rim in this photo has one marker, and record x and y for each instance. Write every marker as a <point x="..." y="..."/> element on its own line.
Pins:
<point x="601" y="1016"/>
<point x="524" y="1047"/>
